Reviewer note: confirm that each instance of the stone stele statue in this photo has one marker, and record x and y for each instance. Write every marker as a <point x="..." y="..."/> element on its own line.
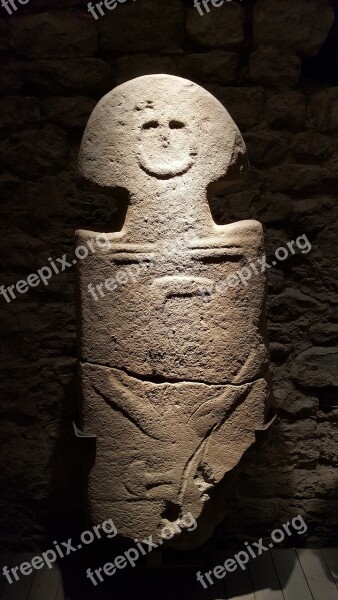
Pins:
<point x="173" y="363"/>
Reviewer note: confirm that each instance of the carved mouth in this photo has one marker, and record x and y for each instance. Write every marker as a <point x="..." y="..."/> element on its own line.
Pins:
<point x="165" y="148"/>
<point x="166" y="168"/>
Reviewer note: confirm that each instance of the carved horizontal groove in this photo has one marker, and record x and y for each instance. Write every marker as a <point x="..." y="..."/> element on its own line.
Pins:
<point x="139" y="499"/>
<point x="133" y="248"/>
<point x="182" y="286"/>
<point x="219" y="258"/>
<point x="199" y="245"/>
<point x="181" y="280"/>
<point x="125" y="258"/>
<point x="216" y="255"/>
<point x="160" y="380"/>
<point x="183" y="294"/>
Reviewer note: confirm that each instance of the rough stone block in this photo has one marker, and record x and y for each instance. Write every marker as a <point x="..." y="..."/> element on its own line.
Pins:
<point x="213" y="67"/>
<point x="281" y="483"/>
<point x="61" y="34"/>
<point x="316" y="367"/>
<point x="143" y="27"/>
<point x="286" y="110"/>
<point x="245" y="105"/>
<point x="295" y="405"/>
<point x="301" y="26"/>
<point x="264" y="148"/>
<point x="17" y="112"/>
<point x="308" y="213"/>
<point x="324" y="334"/>
<point x="31" y="153"/>
<point x="328" y="449"/>
<point x="222" y="27"/>
<point x="311" y="147"/>
<point x="68" y="112"/>
<point x="11" y="79"/>
<point x="80" y="76"/>
<point x="272" y="208"/>
<point x="290" y="305"/>
<point x="4" y="37"/>
<point x="327" y="240"/>
<point x="322" y="111"/>
<point x="296" y="179"/>
<point x="274" y="68"/>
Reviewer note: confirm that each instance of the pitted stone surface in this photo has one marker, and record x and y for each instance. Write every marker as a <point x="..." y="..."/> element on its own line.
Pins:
<point x="172" y="365"/>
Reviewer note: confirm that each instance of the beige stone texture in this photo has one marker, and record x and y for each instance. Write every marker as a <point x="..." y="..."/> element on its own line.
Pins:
<point x="173" y="360"/>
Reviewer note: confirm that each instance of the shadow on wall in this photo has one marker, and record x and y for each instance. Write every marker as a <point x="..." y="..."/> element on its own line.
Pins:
<point x="324" y="67"/>
<point x="66" y="516"/>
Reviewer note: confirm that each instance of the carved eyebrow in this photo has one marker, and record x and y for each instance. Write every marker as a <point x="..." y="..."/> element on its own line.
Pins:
<point x="150" y="125"/>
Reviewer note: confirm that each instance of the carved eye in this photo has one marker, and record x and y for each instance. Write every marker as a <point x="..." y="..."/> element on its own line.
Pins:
<point x="150" y="125"/>
<point x="176" y="125"/>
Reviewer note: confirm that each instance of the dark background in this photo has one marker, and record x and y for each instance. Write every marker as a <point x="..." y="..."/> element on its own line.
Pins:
<point x="56" y="62"/>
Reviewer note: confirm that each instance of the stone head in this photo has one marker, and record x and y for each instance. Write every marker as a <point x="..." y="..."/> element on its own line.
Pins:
<point x="156" y="128"/>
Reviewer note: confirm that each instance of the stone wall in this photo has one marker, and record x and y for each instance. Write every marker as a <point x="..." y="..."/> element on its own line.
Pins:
<point x="56" y="62"/>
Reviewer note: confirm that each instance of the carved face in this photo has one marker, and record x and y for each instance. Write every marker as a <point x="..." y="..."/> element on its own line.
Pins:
<point x="165" y="147"/>
<point x="160" y="127"/>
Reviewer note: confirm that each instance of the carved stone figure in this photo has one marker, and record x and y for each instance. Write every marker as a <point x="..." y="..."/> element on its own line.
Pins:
<point x="173" y="362"/>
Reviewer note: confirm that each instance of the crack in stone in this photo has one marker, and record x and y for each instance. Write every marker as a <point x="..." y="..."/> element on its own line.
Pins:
<point x="161" y="380"/>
